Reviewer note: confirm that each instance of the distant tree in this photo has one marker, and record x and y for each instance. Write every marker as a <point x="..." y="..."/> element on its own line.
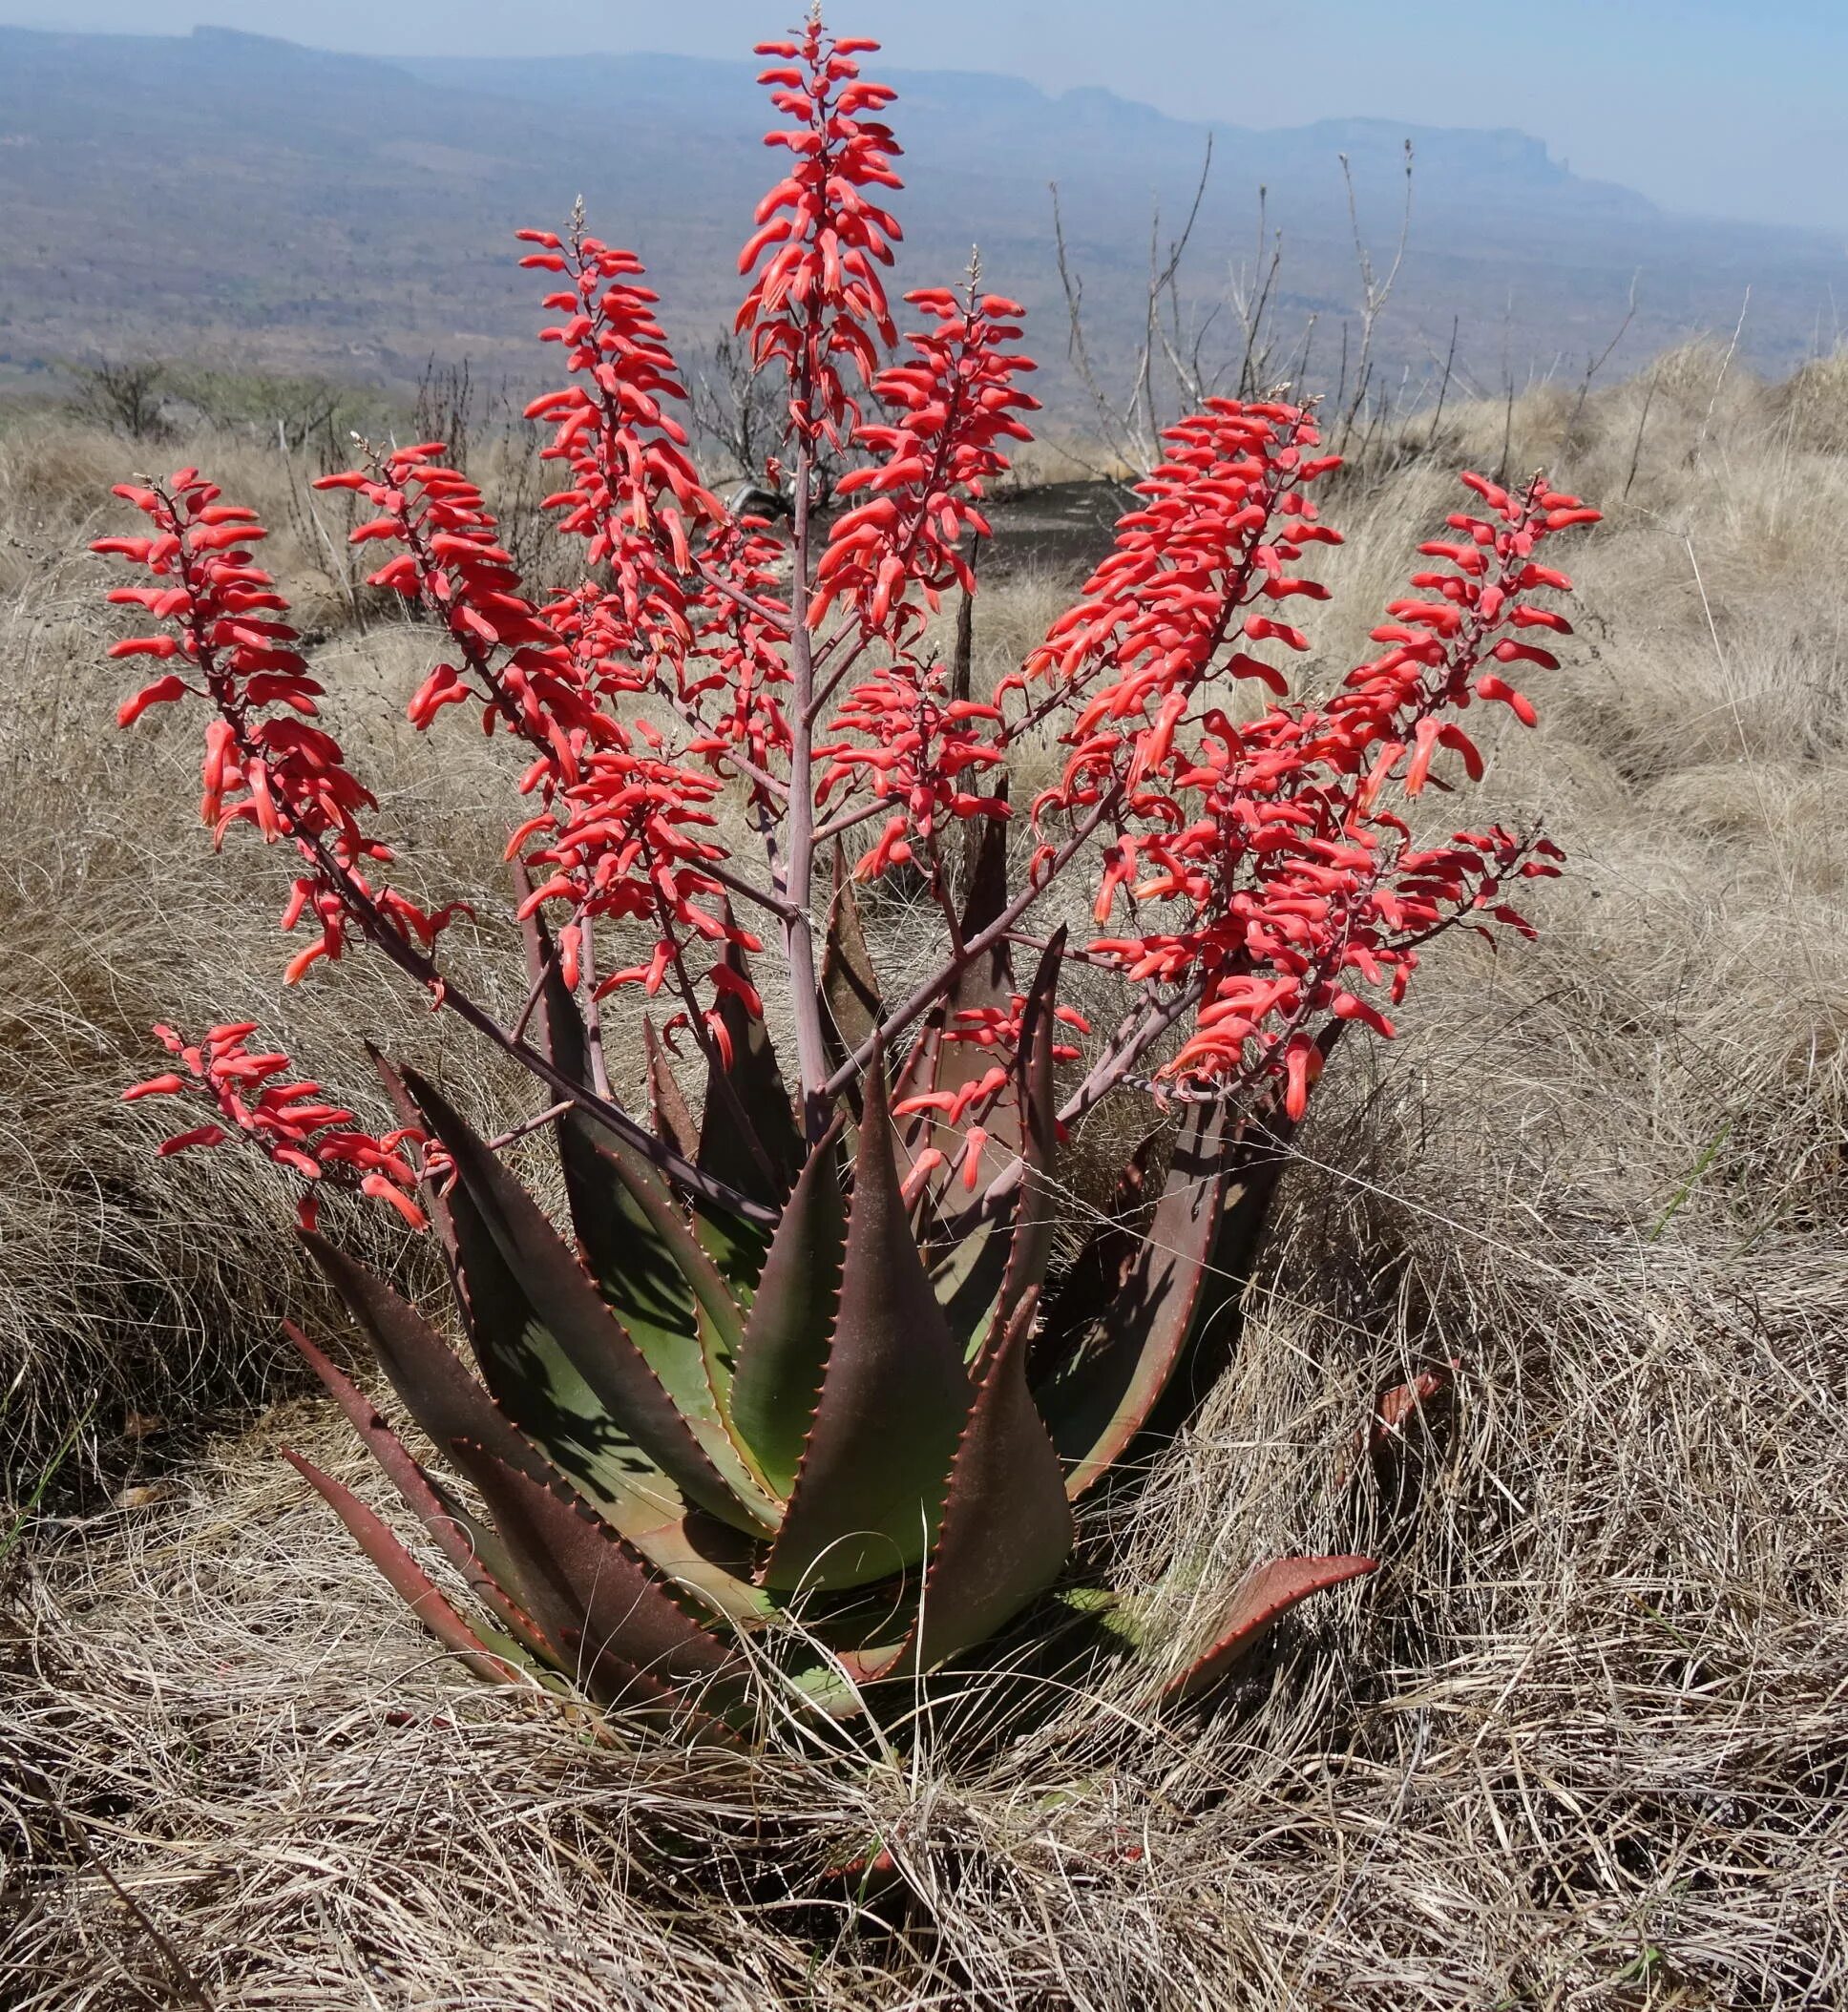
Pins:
<point x="127" y="395"/>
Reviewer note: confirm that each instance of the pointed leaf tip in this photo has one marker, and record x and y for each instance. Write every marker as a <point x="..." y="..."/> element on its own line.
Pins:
<point x="1268" y="1593"/>
<point x="1007" y="1525"/>
<point x="785" y="1348"/>
<point x="895" y="1394"/>
<point x="403" y="1574"/>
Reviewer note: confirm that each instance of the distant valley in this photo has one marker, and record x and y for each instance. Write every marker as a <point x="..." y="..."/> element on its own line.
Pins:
<point x="271" y="206"/>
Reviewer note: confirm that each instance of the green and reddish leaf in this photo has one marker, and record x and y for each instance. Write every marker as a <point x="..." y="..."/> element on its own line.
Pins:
<point x="469" y="1548"/>
<point x="589" y="1592"/>
<point x="894" y="1395"/>
<point x="749" y="1135"/>
<point x="853" y="1006"/>
<point x="1036" y="1211"/>
<point x="1099" y="1403"/>
<point x="404" y="1576"/>
<point x="565" y="1312"/>
<point x="664" y="1289"/>
<point x="1073" y="1307"/>
<point x="667" y="1107"/>
<point x="934" y="1063"/>
<point x="1007" y="1523"/>
<point x="785" y="1348"/>
<point x="1267" y="1594"/>
<point x="429" y="1378"/>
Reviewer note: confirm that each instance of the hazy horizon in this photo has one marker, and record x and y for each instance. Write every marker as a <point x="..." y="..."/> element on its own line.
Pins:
<point x="1712" y="107"/>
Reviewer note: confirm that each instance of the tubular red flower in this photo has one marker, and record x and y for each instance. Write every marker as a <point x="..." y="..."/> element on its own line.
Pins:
<point x="818" y="304"/>
<point x="290" y="1122"/>
<point x="266" y="764"/>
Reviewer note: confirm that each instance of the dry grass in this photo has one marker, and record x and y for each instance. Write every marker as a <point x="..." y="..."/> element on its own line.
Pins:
<point x="1582" y="1742"/>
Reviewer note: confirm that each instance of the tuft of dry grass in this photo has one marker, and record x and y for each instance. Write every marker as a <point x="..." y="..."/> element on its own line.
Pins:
<point x="1581" y="1743"/>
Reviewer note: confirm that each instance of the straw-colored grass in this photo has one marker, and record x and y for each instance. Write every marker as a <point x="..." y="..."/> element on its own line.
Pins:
<point x="1581" y="1743"/>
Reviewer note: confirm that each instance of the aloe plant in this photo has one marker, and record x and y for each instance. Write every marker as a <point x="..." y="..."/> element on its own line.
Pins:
<point x="856" y="1438"/>
<point x="803" y="1387"/>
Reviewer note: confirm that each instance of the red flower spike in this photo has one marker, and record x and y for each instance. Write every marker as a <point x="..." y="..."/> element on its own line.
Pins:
<point x="265" y="764"/>
<point x="817" y="305"/>
<point x="290" y="1122"/>
<point x="1283" y="875"/>
<point x="949" y="411"/>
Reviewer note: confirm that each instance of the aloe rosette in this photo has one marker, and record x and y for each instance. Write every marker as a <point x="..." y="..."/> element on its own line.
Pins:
<point x="853" y="1439"/>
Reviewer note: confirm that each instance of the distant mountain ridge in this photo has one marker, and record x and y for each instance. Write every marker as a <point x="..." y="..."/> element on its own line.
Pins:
<point x="279" y="205"/>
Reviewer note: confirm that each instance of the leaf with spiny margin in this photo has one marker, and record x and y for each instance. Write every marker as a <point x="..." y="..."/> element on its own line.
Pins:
<point x="937" y="1063"/>
<point x="1036" y="1212"/>
<point x="852" y="1003"/>
<point x="591" y="1593"/>
<point x="1072" y="1307"/>
<point x="404" y="1575"/>
<point x="1007" y="1524"/>
<point x="634" y="1235"/>
<point x="557" y="1026"/>
<point x="1254" y="1159"/>
<point x="650" y="1267"/>
<point x="529" y="1375"/>
<point x="429" y="1192"/>
<point x="427" y="1373"/>
<point x="667" y="1105"/>
<point x="569" y="1310"/>
<point x="1100" y="1403"/>
<point x="785" y="1342"/>
<point x="712" y="1560"/>
<point x="894" y="1395"/>
<point x="665" y="1290"/>
<point x="1268" y="1593"/>
<point x="735" y="1245"/>
<point x="749" y="1135"/>
<point x="456" y="1535"/>
<point x="984" y="981"/>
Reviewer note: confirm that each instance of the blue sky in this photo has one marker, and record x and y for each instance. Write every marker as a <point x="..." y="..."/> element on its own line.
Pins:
<point x="1732" y="108"/>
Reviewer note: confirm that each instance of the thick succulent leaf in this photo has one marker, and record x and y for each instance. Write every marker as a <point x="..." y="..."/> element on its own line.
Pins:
<point x="470" y="1550"/>
<point x="1271" y="1591"/>
<point x="1072" y="1307"/>
<point x="404" y="1576"/>
<point x="894" y="1395"/>
<point x="853" y="1005"/>
<point x="1253" y="1160"/>
<point x="652" y="1271"/>
<point x="1099" y="1404"/>
<point x="667" y="1107"/>
<point x="636" y="1498"/>
<point x="1036" y="1212"/>
<point x="557" y="1025"/>
<point x="431" y="1193"/>
<point x="785" y="1342"/>
<point x="664" y="1288"/>
<point x="530" y="1375"/>
<point x="428" y="1375"/>
<point x="559" y="1297"/>
<point x="590" y="1592"/>
<point x="634" y="1235"/>
<point x="749" y="1135"/>
<point x="735" y="1245"/>
<point x="988" y="980"/>
<point x="1007" y="1524"/>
